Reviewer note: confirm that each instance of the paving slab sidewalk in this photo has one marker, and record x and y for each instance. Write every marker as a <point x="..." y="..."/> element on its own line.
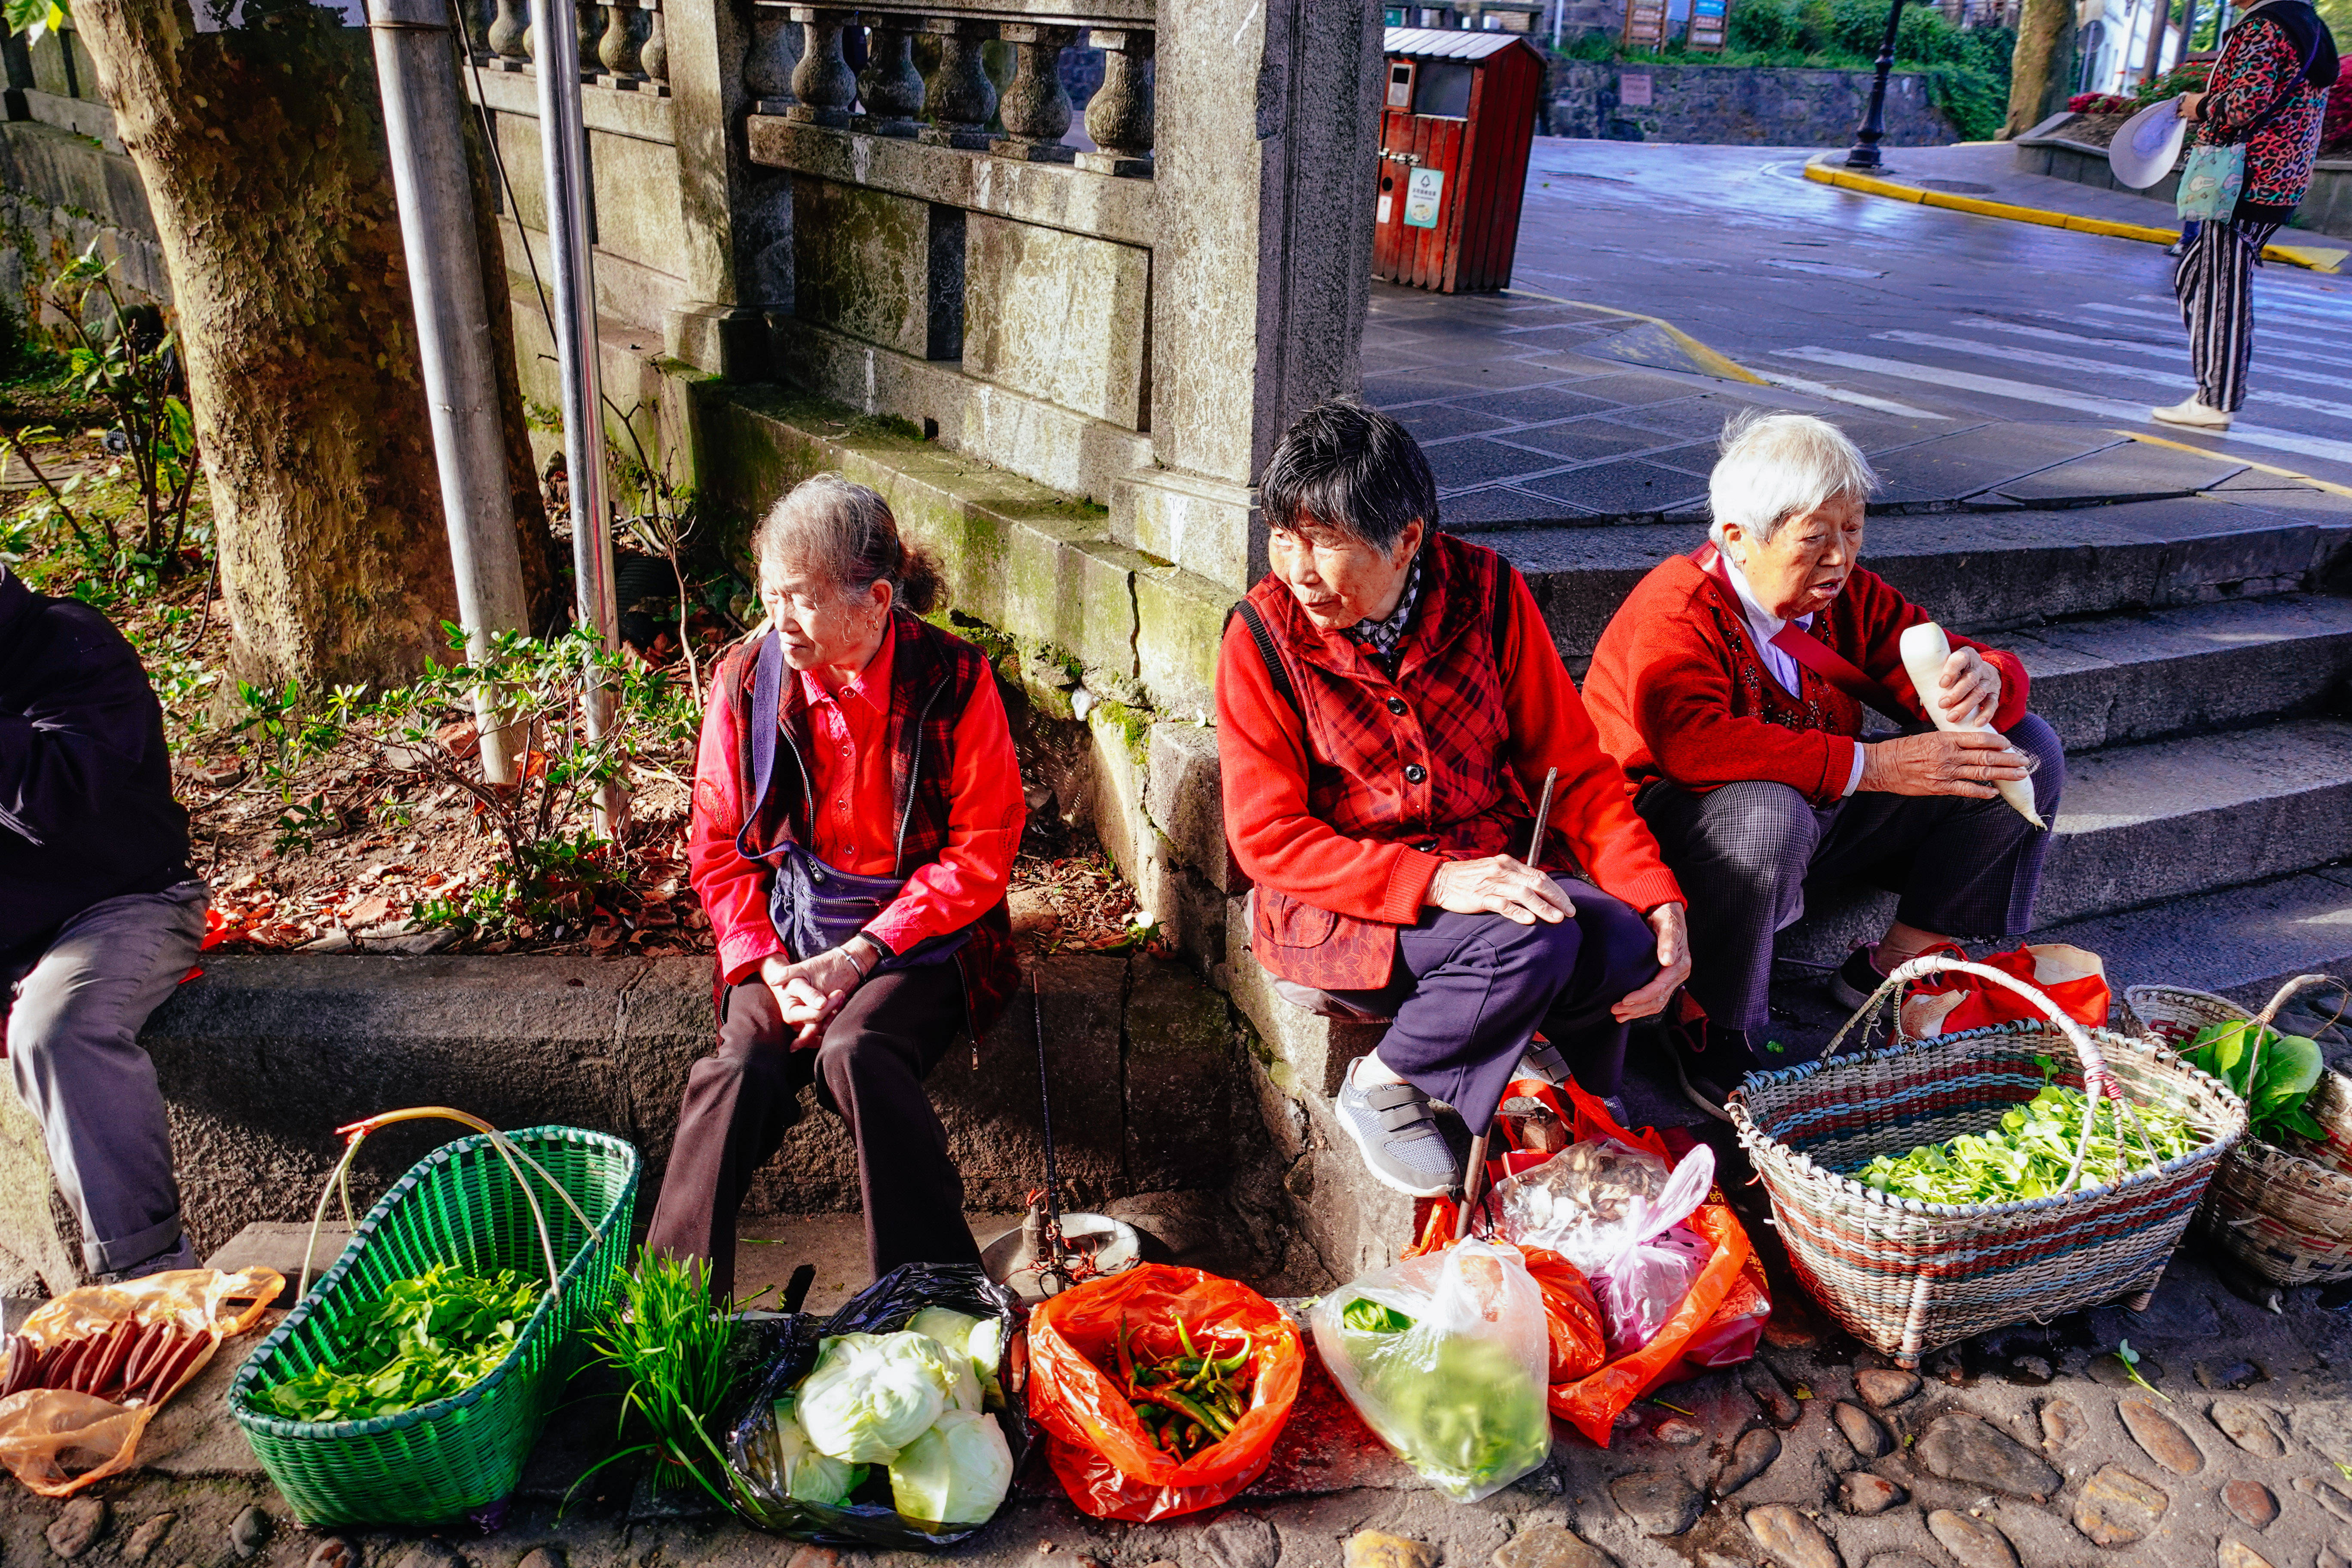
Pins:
<point x="1983" y="178"/>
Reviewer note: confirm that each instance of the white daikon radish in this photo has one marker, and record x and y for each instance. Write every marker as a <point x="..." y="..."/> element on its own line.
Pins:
<point x="1925" y="649"/>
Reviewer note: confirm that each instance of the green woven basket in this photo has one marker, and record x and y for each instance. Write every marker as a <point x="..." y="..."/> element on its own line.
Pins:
<point x="462" y="1205"/>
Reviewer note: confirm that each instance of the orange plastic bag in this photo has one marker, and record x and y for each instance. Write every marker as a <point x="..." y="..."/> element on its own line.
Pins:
<point x="2074" y="977"/>
<point x="1720" y="1322"/>
<point x="1580" y="1344"/>
<point x="58" y="1439"/>
<point x="1097" y="1446"/>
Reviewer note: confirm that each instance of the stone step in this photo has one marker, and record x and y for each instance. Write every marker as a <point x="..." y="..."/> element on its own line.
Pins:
<point x="1991" y="568"/>
<point x="2145" y="675"/>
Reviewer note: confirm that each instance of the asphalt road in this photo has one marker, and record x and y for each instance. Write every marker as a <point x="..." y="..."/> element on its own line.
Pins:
<point x="1894" y="306"/>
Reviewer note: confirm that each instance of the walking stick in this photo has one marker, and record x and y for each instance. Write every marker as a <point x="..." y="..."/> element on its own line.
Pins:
<point x="1474" y="1179"/>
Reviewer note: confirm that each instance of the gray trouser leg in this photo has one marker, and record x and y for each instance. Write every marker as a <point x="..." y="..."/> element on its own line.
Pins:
<point x="73" y="1050"/>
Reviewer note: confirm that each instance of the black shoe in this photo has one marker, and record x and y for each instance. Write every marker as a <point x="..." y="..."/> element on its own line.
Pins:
<point x="1857" y="980"/>
<point x="1710" y="1062"/>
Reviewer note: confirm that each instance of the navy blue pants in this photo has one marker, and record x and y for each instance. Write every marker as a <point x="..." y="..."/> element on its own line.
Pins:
<point x="1469" y="991"/>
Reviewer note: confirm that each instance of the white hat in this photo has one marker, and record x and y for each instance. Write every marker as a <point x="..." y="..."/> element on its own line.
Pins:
<point x="2147" y="146"/>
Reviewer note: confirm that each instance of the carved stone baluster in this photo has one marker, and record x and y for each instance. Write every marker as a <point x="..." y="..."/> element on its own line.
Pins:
<point x="654" y="59"/>
<point x="1119" y="116"/>
<point x="823" y="81"/>
<point x="891" y="86"/>
<point x="1036" y="107"/>
<point x="775" y="51"/>
<point x="618" y="48"/>
<point x="961" y="99"/>
<point x="509" y="31"/>
<point x="592" y="31"/>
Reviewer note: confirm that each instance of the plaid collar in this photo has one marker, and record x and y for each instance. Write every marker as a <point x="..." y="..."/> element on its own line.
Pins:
<point x="1380" y="639"/>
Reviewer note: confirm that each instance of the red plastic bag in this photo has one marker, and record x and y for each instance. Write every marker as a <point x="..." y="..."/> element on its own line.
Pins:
<point x="1096" y="1447"/>
<point x="1718" y="1324"/>
<point x="2074" y="977"/>
<point x="1578" y="1343"/>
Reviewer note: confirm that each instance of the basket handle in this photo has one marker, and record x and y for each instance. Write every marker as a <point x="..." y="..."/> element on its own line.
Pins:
<point x="2098" y="1082"/>
<point x="356" y="1133"/>
<point x="2264" y="1019"/>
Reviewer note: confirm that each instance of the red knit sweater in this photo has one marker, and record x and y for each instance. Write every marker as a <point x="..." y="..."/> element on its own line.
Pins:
<point x="1677" y="691"/>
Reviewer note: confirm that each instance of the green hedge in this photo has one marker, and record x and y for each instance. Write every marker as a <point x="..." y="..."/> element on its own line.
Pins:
<point x="1967" y="68"/>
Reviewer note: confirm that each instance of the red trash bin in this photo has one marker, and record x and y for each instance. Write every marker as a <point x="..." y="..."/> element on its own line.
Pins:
<point x="1455" y="127"/>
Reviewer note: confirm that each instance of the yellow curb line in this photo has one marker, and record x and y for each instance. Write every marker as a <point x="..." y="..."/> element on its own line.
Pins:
<point x="1714" y="363"/>
<point x="2233" y="457"/>
<point x="2312" y="257"/>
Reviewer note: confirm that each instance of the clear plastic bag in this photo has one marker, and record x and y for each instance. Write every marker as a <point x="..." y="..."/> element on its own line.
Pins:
<point x="1445" y="1357"/>
<point x="1579" y="1202"/>
<point x="762" y="1467"/>
<point x="1657" y="1258"/>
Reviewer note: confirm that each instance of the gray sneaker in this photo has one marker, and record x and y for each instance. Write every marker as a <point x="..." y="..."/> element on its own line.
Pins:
<point x="1543" y="1063"/>
<point x="1397" y="1137"/>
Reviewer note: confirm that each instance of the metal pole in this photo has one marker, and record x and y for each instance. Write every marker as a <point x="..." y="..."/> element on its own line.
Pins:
<point x="1865" y="152"/>
<point x="424" y="114"/>
<point x="563" y="152"/>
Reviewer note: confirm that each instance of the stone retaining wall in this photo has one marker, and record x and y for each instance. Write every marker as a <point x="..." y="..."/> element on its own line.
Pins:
<point x="1741" y="105"/>
<point x="2327" y="209"/>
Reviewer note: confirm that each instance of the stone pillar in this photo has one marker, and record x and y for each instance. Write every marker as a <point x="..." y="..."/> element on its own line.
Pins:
<point x="1266" y="148"/>
<point x="1036" y="107"/>
<point x="717" y="330"/>
<point x="891" y="88"/>
<point x="654" y="59"/>
<point x="822" y="82"/>
<point x="1119" y="115"/>
<point x="619" y="49"/>
<point x="961" y="99"/>
<point x="508" y="30"/>
<point x="775" y="54"/>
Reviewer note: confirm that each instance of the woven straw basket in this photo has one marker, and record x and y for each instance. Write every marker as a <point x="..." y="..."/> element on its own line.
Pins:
<point x="2282" y="1210"/>
<point x="1908" y="1276"/>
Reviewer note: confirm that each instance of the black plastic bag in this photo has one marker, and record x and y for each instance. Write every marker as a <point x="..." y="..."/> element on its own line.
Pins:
<point x="882" y="1308"/>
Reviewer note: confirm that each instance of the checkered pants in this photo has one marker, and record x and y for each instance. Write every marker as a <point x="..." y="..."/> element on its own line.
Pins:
<point x="1744" y="853"/>
<point x="2215" y="284"/>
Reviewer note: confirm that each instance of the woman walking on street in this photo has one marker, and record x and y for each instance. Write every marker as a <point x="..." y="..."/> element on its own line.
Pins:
<point x="2268" y="92"/>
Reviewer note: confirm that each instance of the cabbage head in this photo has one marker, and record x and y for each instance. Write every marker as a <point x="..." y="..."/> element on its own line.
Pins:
<point x="955" y="1370"/>
<point x="872" y="1394"/>
<point x="978" y="1339"/>
<point x="956" y="1473"/>
<point x="806" y="1474"/>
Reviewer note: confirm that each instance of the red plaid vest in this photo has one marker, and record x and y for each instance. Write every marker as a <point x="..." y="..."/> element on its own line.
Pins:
<point x="1447" y="670"/>
<point x="933" y="676"/>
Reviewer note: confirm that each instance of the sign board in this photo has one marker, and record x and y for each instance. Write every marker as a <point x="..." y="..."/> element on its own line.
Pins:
<point x="1645" y="23"/>
<point x="1423" y="195"/>
<point x="1707" y="22"/>
<point x="1634" y="90"/>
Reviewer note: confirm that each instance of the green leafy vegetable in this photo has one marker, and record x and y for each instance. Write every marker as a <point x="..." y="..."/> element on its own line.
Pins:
<point x="1459" y="1409"/>
<point x="2273" y="1073"/>
<point x="869" y="1395"/>
<point x="956" y="1473"/>
<point x="669" y="1341"/>
<point x="424" y="1339"/>
<point x="2130" y="1357"/>
<point x="2027" y="1154"/>
<point x="1366" y="1316"/>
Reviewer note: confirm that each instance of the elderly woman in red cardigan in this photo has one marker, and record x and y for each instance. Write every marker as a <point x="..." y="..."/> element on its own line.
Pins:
<point x="1389" y="703"/>
<point x="856" y="809"/>
<point x="1731" y="685"/>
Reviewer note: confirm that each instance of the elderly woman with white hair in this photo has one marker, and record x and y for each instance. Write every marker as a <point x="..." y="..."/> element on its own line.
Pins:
<point x="1731" y="687"/>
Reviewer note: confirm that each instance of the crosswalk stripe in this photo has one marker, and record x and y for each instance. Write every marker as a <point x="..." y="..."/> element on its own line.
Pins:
<point x="1859" y="399"/>
<point x="2131" y="371"/>
<point x="2272" y="307"/>
<point x="2052" y="397"/>
<point x="2264" y="350"/>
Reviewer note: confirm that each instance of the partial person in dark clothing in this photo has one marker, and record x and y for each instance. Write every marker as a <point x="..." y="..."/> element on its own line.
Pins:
<point x="2268" y="91"/>
<point x="99" y="918"/>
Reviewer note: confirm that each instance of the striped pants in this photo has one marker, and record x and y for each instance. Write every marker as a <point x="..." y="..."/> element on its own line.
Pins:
<point x="2214" y="282"/>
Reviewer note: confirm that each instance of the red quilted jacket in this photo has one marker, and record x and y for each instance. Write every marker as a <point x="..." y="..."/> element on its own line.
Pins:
<point x="1343" y="819"/>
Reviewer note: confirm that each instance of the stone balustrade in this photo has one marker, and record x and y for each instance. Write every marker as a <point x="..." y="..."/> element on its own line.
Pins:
<point x="624" y="46"/>
<point x="926" y="77"/>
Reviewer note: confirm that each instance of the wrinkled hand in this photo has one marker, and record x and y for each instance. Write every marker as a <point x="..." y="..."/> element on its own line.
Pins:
<point x="1941" y="762"/>
<point x="1673" y="966"/>
<point x="808" y="993"/>
<point x="1498" y="885"/>
<point x="1970" y="691"/>
<point x="2186" y="105"/>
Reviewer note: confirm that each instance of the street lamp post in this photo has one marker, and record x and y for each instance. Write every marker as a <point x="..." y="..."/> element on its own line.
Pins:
<point x="1864" y="153"/>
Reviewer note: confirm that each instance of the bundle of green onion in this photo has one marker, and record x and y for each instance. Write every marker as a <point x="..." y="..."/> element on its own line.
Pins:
<point x="2029" y="1154"/>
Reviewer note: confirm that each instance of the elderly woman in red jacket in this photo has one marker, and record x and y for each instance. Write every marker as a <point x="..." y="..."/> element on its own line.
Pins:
<point x="1389" y="703"/>
<point x="1731" y="685"/>
<point x="856" y="809"/>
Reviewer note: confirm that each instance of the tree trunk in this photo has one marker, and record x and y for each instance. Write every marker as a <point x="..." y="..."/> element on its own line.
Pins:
<point x="2041" y="49"/>
<point x="263" y="154"/>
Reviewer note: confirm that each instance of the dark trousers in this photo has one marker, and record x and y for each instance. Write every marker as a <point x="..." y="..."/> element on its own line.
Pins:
<point x="1743" y="854"/>
<point x="1469" y="991"/>
<point x="869" y="1069"/>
